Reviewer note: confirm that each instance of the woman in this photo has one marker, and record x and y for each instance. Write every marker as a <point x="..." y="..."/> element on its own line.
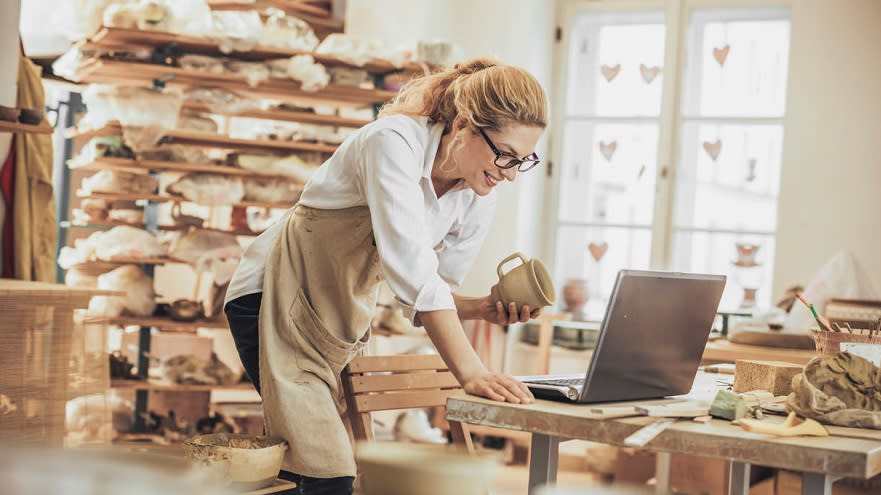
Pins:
<point x="408" y="199"/>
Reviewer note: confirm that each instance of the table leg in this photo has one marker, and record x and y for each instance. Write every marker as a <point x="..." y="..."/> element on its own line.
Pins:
<point x="662" y="473"/>
<point x="816" y="484"/>
<point x="738" y="482"/>
<point x="543" y="461"/>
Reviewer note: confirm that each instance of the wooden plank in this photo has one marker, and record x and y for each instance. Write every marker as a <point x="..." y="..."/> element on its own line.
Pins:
<point x="402" y="400"/>
<point x="404" y="381"/>
<point x="127" y="260"/>
<point x="286" y="116"/>
<point x="49" y="294"/>
<point x="124" y="39"/>
<point x="211" y="140"/>
<point x="17" y="127"/>
<point x="724" y="351"/>
<point x="162" y="323"/>
<point x="114" y="71"/>
<point x="166" y="386"/>
<point x="366" y="364"/>
<point x="159" y="198"/>
<point x="146" y="166"/>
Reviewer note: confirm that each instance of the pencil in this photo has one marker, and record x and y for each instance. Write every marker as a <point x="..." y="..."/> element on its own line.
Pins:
<point x="824" y="325"/>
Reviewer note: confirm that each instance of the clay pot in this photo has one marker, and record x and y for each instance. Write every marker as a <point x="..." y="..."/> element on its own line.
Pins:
<point x="186" y="310"/>
<point x="527" y="284"/>
<point x="575" y="295"/>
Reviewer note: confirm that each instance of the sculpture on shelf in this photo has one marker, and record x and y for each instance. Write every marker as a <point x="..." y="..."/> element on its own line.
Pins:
<point x="575" y="296"/>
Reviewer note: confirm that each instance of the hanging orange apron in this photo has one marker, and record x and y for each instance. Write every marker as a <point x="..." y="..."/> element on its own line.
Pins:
<point x="319" y="293"/>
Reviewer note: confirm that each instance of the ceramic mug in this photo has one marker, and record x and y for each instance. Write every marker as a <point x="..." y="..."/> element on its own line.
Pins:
<point x="529" y="283"/>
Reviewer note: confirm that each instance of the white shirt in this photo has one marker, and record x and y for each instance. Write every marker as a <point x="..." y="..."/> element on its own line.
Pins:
<point x="426" y="244"/>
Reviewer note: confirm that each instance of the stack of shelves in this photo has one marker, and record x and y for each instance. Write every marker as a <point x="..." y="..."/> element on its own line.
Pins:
<point x="110" y="69"/>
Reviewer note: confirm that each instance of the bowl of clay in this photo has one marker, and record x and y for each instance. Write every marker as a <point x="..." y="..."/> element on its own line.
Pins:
<point x="245" y="462"/>
<point x="391" y="468"/>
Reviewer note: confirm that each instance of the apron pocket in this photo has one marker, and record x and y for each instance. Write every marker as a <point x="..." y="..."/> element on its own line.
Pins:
<point x="319" y="351"/>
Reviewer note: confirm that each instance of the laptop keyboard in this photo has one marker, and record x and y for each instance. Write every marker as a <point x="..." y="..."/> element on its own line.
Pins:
<point x="564" y="382"/>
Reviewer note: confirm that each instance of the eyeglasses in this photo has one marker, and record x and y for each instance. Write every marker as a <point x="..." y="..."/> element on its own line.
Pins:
<point x="507" y="160"/>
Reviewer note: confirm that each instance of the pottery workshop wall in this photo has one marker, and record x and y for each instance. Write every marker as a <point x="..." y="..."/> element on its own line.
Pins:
<point x="517" y="32"/>
<point x="831" y="178"/>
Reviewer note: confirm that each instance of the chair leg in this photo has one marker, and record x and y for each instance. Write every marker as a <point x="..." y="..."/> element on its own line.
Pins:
<point x="461" y="435"/>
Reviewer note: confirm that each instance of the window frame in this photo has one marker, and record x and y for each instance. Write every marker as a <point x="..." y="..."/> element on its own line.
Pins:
<point x="677" y="16"/>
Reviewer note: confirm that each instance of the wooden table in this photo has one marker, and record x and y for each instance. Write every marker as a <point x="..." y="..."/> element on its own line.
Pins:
<point x="724" y="351"/>
<point x="849" y="452"/>
<point x="24" y="307"/>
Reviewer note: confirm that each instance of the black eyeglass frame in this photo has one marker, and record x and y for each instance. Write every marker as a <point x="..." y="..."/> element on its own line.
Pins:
<point x="513" y="161"/>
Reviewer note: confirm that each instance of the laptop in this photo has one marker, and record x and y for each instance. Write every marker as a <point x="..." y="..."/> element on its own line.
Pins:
<point x="650" y="342"/>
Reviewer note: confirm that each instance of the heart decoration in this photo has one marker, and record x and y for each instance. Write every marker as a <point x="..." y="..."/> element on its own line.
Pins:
<point x="752" y="170"/>
<point x="608" y="149"/>
<point x="649" y="73"/>
<point x="598" y="250"/>
<point x="713" y="149"/>
<point x="720" y="54"/>
<point x="610" y="72"/>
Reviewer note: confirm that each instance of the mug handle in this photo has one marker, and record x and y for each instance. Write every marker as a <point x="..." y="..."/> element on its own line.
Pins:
<point x="509" y="258"/>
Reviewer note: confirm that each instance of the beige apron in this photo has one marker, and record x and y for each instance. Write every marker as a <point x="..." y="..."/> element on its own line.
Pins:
<point x="319" y="293"/>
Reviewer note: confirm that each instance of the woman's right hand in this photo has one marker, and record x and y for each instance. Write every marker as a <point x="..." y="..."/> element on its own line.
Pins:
<point x="499" y="387"/>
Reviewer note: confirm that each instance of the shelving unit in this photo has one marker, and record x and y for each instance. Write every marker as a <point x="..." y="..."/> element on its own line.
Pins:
<point x="164" y="198"/>
<point x="210" y="140"/>
<point x="6" y="126"/>
<point x="109" y="68"/>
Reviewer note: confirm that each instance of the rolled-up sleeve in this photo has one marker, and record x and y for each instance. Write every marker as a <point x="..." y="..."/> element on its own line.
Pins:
<point x="390" y="174"/>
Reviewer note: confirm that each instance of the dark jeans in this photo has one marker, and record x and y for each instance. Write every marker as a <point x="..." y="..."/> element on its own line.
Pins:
<point x="243" y="314"/>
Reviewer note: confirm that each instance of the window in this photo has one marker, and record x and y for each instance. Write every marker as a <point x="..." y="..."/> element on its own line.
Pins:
<point x="713" y="209"/>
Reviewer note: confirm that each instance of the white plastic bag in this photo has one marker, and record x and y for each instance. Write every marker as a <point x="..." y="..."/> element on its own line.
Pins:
<point x="841" y="277"/>
<point x="137" y="286"/>
<point x="209" y="189"/>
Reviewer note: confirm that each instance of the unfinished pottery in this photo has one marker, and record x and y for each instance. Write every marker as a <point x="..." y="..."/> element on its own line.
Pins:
<point x="527" y="284"/>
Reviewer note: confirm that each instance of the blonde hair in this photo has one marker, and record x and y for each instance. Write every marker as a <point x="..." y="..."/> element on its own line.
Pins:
<point x="488" y="94"/>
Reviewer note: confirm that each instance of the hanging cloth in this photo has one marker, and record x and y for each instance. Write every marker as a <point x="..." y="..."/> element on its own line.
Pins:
<point x="7" y="186"/>
<point x="35" y="229"/>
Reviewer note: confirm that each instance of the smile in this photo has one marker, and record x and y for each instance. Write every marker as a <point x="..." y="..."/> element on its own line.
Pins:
<point x="490" y="180"/>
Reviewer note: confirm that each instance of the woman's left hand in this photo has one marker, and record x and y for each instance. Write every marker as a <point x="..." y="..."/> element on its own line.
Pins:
<point x="496" y="312"/>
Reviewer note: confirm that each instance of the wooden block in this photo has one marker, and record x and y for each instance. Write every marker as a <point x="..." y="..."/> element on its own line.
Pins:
<point x="774" y="376"/>
<point x="687" y="410"/>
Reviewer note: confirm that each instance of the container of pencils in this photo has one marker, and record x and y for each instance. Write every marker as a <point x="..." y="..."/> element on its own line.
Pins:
<point x="830" y="342"/>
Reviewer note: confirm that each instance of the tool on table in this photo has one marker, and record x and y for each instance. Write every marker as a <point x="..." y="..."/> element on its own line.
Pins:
<point x="647" y="433"/>
<point x="823" y="322"/>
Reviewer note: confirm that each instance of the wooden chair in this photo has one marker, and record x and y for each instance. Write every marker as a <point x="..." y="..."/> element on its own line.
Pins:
<point x="382" y="383"/>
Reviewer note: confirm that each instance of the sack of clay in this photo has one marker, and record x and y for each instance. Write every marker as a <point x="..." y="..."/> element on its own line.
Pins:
<point x="126" y="242"/>
<point x="272" y="190"/>
<point x="198" y="246"/>
<point x="290" y="166"/>
<point x="208" y="189"/>
<point x="841" y="389"/>
<point x="134" y="283"/>
<point x="119" y="181"/>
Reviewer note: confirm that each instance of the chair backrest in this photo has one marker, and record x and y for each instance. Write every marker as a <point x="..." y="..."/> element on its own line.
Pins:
<point x="381" y="383"/>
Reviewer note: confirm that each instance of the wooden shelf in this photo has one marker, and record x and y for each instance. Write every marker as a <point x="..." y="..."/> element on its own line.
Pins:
<point x="129" y="261"/>
<point x="162" y="323"/>
<point x="161" y="198"/>
<point x="286" y="116"/>
<point x="162" y="385"/>
<point x="144" y="166"/>
<point x="108" y="38"/>
<point x="107" y="71"/>
<point x="110" y="225"/>
<point x="16" y="127"/>
<point x="209" y="140"/>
